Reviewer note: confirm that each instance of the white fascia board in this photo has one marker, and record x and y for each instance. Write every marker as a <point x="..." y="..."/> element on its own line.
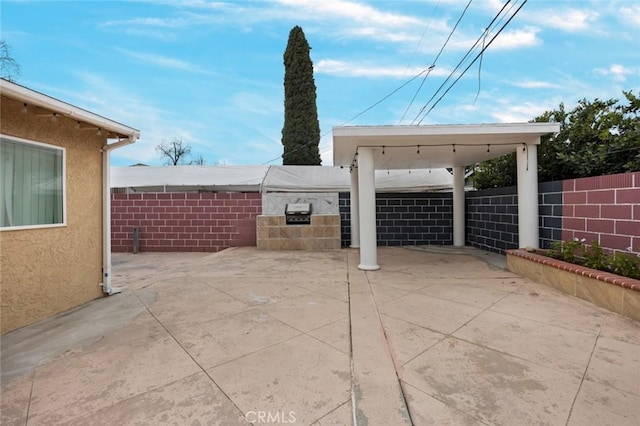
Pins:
<point x="447" y="129"/>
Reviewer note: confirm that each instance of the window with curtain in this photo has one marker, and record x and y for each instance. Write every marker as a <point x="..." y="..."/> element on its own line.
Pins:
<point x="31" y="184"/>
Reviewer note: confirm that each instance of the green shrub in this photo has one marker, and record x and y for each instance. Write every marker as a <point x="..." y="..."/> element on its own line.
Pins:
<point x="625" y="264"/>
<point x="593" y="256"/>
<point x="566" y="250"/>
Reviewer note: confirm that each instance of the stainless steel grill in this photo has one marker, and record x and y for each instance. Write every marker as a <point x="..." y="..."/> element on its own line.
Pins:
<point x="298" y="213"/>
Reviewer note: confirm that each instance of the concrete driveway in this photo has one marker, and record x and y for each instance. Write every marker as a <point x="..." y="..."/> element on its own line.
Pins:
<point x="437" y="336"/>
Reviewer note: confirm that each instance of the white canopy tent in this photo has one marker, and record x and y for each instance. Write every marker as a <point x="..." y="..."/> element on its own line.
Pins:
<point x="365" y="149"/>
<point x="189" y="178"/>
<point x="337" y="179"/>
<point x="271" y="179"/>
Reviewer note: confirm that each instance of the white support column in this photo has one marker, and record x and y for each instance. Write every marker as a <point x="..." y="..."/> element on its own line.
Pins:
<point x="367" y="204"/>
<point x="355" y="209"/>
<point x="527" y="163"/>
<point x="458" y="207"/>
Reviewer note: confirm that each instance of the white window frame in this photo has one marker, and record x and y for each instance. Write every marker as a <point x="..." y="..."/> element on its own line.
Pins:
<point x="64" y="184"/>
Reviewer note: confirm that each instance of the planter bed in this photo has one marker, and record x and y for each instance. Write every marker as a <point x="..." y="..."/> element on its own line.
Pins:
<point x="610" y="291"/>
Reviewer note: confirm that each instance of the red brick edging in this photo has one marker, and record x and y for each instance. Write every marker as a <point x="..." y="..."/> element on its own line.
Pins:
<point x="606" y="277"/>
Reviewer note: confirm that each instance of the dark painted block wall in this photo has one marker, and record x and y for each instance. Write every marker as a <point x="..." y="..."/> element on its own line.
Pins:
<point x="492" y="217"/>
<point x="550" y="201"/>
<point x="407" y="218"/>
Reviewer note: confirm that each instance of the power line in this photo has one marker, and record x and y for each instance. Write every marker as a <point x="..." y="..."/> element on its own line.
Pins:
<point x="464" y="58"/>
<point x="426" y="70"/>
<point x="480" y="71"/>
<point x="474" y="60"/>
<point x="421" y="38"/>
<point x="433" y="64"/>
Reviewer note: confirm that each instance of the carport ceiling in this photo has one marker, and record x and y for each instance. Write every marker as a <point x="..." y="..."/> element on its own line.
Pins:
<point x="423" y="147"/>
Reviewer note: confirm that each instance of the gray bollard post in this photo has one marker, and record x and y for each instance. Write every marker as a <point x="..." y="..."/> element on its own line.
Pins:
<point x="136" y="240"/>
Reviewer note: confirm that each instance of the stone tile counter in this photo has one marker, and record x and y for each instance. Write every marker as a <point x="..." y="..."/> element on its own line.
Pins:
<point x="322" y="234"/>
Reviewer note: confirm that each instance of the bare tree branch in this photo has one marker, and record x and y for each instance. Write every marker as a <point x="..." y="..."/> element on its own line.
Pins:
<point x="9" y="68"/>
<point x="175" y="151"/>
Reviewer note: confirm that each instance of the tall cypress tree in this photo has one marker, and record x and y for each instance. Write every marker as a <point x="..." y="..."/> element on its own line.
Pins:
<point x="301" y="130"/>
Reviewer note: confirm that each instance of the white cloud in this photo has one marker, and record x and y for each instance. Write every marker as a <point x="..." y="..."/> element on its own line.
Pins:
<point x="164" y="61"/>
<point x="368" y="70"/>
<point x="350" y="10"/>
<point x="617" y="71"/>
<point x="148" y="22"/>
<point x="350" y="19"/>
<point x="513" y="39"/>
<point x="335" y="18"/>
<point x="631" y="14"/>
<point x="570" y="20"/>
<point x="101" y="96"/>
<point x="532" y="84"/>
<point x="522" y="113"/>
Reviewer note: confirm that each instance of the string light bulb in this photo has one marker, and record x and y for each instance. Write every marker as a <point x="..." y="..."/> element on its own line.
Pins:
<point x="418" y="149"/>
<point x="454" y="147"/>
<point x="77" y="124"/>
<point x="99" y="131"/>
<point x="24" y="108"/>
<point x="54" y="117"/>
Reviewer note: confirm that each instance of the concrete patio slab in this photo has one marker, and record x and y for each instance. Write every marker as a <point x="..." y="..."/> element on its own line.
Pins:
<point x="426" y="410"/>
<point x="300" y="378"/>
<point x="215" y="342"/>
<point x="467" y="293"/>
<point x="553" y="347"/>
<point x="491" y="386"/>
<point x="409" y="340"/>
<point x="180" y="304"/>
<point x="335" y="334"/>
<point x="411" y="308"/>
<point x="609" y="365"/>
<point x="601" y="405"/>
<point x="543" y="305"/>
<point x="192" y="400"/>
<point x="308" y="311"/>
<point x="437" y="336"/>
<point x="377" y="394"/>
<point x="113" y="370"/>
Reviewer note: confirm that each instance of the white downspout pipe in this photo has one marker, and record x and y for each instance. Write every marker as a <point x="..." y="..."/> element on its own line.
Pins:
<point x="106" y="214"/>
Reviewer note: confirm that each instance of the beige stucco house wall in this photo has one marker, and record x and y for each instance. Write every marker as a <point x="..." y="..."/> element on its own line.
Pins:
<point x="50" y="270"/>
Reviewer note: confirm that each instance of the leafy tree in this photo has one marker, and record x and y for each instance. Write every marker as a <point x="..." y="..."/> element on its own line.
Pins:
<point x="596" y="138"/>
<point x="9" y="68"/>
<point x="496" y="173"/>
<point x="174" y="152"/>
<point x="301" y="130"/>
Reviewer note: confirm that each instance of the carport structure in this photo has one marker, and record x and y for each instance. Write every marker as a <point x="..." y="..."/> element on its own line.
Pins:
<point x="365" y="149"/>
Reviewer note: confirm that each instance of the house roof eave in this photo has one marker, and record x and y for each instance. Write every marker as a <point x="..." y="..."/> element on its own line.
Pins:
<point x="32" y="97"/>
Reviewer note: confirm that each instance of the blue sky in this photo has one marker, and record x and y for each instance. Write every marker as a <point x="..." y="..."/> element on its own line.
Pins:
<point x="211" y="72"/>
